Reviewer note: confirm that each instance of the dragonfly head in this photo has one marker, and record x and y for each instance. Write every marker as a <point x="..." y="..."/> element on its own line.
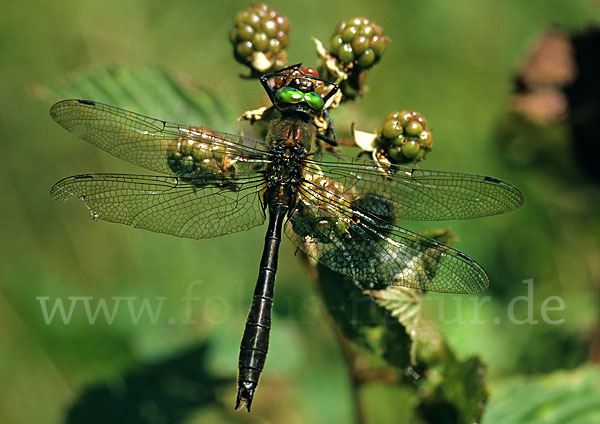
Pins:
<point x="294" y="99"/>
<point x="299" y="89"/>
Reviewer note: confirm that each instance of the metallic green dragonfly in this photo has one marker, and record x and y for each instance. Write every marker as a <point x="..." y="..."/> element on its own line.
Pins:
<point x="343" y="211"/>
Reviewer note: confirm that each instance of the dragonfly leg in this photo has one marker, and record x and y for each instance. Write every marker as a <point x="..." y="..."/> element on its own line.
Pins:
<point x="332" y="142"/>
<point x="264" y="80"/>
<point x="330" y="130"/>
<point x="332" y="91"/>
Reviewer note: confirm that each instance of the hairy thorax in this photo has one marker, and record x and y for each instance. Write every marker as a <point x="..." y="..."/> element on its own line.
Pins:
<point x="291" y="139"/>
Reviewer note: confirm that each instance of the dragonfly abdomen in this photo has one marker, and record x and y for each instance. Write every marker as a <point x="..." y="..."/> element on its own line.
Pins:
<point x="255" y="341"/>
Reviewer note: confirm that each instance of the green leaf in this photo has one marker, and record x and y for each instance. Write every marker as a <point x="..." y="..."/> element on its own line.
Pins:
<point x="150" y="91"/>
<point x="404" y="304"/>
<point x="364" y="322"/>
<point x="386" y="324"/>
<point x="169" y="390"/>
<point x="561" y="397"/>
<point x="452" y="391"/>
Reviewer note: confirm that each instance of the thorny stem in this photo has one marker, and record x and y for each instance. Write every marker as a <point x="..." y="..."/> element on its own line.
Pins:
<point x="349" y="355"/>
<point x="355" y="380"/>
<point x="359" y="373"/>
<point x="347" y="143"/>
<point x="333" y="149"/>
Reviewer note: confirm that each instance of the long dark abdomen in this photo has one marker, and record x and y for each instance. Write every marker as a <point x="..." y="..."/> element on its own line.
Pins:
<point x="255" y="341"/>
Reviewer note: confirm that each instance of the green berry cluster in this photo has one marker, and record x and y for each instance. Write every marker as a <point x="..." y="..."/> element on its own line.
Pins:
<point x="259" y="30"/>
<point x="314" y="217"/>
<point x="358" y="41"/>
<point x="404" y="137"/>
<point x="193" y="158"/>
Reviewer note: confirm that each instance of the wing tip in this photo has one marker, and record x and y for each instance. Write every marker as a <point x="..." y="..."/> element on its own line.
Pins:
<point x="482" y="285"/>
<point x="517" y="196"/>
<point x="59" y="190"/>
<point x="480" y="282"/>
<point x="56" y="107"/>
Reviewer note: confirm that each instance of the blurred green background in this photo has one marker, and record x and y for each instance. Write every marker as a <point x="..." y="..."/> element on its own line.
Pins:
<point x="454" y="62"/>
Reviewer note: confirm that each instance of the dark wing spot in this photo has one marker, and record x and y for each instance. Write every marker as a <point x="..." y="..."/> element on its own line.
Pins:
<point x="468" y="258"/>
<point x="81" y="176"/>
<point x="492" y="179"/>
<point x="87" y="102"/>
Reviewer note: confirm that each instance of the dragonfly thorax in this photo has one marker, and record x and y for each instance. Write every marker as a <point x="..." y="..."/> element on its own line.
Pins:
<point x="292" y="129"/>
<point x="286" y="165"/>
<point x="283" y="177"/>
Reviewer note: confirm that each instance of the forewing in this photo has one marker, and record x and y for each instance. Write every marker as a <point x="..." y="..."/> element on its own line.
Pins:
<point x="173" y="205"/>
<point x="158" y="145"/>
<point x="417" y="194"/>
<point x="353" y="242"/>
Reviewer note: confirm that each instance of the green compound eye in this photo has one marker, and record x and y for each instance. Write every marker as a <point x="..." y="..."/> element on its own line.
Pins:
<point x="289" y="95"/>
<point x="314" y="100"/>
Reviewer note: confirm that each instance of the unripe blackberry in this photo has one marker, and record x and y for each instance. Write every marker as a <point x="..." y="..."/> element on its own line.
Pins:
<point x="356" y="45"/>
<point x="404" y="137"/>
<point x="259" y="37"/>
<point x="314" y="216"/>
<point x="359" y="42"/>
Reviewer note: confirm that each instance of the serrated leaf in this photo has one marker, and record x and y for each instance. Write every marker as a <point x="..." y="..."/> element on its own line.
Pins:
<point x="459" y="394"/>
<point x="560" y="397"/>
<point x="150" y="91"/>
<point x="404" y="304"/>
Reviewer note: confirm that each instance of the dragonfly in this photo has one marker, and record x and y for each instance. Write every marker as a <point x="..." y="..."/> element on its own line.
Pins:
<point x="343" y="211"/>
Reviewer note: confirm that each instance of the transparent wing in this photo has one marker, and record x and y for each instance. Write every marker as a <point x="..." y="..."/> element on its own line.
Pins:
<point x="417" y="194"/>
<point x="337" y="232"/>
<point x="161" y="146"/>
<point x="173" y="205"/>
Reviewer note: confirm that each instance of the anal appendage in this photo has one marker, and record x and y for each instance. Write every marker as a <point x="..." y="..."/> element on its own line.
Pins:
<point x="245" y="394"/>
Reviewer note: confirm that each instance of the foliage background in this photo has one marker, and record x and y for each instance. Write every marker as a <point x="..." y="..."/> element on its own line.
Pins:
<point x="452" y="61"/>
